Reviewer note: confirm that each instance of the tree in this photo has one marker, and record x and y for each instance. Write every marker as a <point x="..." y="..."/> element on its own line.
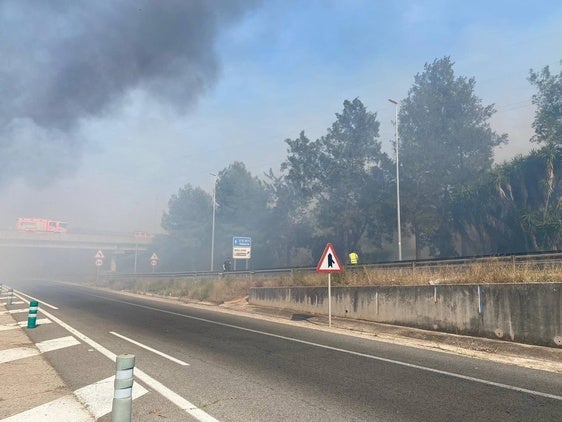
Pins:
<point x="517" y="208"/>
<point x="242" y="202"/>
<point x="341" y="176"/>
<point x="289" y="227"/>
<point x="548" y="116"/>
<point x="188" y="223"/>
<point x="445" y="143"/>
<point x="243" y="209"/>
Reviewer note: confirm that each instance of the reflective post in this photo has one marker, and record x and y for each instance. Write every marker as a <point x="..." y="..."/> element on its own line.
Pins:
<point x="32" y="316"/>
<point x="122" y="407"/>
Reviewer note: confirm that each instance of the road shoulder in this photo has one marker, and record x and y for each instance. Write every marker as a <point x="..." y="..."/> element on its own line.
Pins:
<point x="523" y="355"/>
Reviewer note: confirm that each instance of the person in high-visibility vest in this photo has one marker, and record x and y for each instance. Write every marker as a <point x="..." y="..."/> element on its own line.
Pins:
<point x="353" y="258"/>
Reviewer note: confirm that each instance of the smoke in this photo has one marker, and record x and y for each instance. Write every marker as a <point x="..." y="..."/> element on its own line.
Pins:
<point x="63" y="61"/>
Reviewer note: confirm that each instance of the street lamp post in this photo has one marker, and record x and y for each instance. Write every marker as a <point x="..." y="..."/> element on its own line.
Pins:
<point x="213" y="223"/>
<point x="397" y="177"/>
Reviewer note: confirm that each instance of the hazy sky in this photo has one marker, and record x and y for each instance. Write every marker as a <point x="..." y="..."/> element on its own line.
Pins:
<point x="107" y="108"/>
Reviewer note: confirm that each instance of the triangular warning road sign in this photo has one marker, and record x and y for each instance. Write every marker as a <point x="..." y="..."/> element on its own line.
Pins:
<point x="329" y="263"/>
<point x="154" y="256"/>
<point x="99" y="255"/>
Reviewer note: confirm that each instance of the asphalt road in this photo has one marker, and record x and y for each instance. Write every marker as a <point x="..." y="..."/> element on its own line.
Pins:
<point x="246" y="369"/>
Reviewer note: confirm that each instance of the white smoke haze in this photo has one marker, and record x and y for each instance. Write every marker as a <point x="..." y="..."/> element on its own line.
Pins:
<point x="108" y="108"/>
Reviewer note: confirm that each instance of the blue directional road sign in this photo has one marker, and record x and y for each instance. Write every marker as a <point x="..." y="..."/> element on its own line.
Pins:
<point x="242" y="241"/>
<point x="241" y="247"/>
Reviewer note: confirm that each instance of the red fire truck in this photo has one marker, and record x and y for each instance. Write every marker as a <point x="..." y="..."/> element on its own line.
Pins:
<point x="41" y="225"/>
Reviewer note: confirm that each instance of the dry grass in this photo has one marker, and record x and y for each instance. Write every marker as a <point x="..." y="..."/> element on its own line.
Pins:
<point x="232" y="286"/>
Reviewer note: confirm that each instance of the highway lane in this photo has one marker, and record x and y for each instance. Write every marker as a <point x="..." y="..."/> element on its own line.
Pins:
<point x="243" y="369"/>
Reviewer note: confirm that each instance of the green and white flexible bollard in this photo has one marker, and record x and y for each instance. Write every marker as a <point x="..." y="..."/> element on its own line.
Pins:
<point x="10" y="295"/>
<point x="32" y="316"/>
<point x="123" y="397"/>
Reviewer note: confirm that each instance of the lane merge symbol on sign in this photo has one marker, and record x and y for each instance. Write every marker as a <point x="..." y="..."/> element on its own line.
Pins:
<point x="329" y="263"/>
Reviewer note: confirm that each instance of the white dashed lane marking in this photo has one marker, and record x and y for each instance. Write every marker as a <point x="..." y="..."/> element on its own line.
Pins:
<point x="150" y="349"/>
<point x="156" y="385"/>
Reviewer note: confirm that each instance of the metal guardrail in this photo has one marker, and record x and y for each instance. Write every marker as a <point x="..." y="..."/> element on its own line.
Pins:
<point x="539" y="258"/>
<point x="208" y="273"/>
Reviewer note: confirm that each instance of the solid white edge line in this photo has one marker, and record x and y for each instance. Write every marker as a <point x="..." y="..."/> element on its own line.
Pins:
<point x="172" y="396"/>
<point x="351" y="352"/>
<point x="34" y="298"/>
<point x="175" y="398"/>
<point x="144" y="346"/>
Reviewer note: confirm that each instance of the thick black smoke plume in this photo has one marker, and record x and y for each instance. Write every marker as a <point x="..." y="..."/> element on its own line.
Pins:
<point x="62" y="61"/>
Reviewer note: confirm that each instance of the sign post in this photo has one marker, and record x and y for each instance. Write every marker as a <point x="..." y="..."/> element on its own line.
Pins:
<point x="98" y="260"/>
<point x="329" y="263"/>
<point x="154" y="261"/>
<point x="241" y="249"/>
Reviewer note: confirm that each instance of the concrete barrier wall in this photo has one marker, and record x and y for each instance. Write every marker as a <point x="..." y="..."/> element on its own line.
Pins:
<point x="524" y="313"/>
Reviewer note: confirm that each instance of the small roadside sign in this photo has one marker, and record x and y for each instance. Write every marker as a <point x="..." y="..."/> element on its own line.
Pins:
<point x="241" y="247"/>
<point x="154" y="259"/>
<point x="99" y="258"/>
<point x="329" y="263"/>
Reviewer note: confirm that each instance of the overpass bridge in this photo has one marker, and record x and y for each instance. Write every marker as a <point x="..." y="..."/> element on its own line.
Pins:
<point x="115" y="242"/>
<point x="112" y="244"/>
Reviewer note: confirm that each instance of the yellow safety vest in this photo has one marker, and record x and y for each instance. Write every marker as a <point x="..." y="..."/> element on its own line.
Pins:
<point x="353" y="258"/>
